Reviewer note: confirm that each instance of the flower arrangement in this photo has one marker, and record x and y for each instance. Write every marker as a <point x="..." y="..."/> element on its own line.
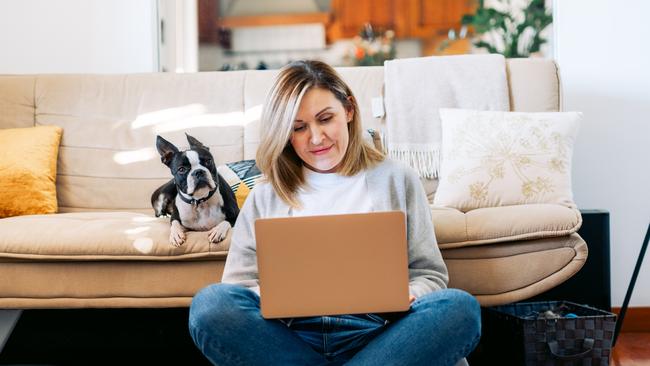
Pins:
<point x="371" y="48"/>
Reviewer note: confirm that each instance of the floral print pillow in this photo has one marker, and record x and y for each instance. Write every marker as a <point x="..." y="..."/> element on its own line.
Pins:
<point x="492" y="159"/>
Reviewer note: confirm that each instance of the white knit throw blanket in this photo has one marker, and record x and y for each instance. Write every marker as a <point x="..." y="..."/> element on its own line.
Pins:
<point x="416" y="88"/>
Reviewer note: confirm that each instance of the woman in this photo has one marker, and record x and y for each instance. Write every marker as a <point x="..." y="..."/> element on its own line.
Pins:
<point x="316" y="162"/>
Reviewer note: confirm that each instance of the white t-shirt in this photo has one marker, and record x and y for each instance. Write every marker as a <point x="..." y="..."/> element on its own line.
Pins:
<point x="331" y="193"/>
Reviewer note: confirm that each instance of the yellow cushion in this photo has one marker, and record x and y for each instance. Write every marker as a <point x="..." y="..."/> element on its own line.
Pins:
<point x="28" y="170"/>
<point x="241" y="194"/>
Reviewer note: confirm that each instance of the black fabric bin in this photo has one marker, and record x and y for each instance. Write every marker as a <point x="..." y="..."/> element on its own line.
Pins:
<point x="514" y="334"/>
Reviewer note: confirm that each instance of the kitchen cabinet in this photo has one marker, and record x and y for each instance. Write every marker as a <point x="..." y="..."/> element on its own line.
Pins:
<point x="349" y="17"/>
<point x="422" y="19"/>
<point x="428" y="18"/>
<point x="408" y="18"/>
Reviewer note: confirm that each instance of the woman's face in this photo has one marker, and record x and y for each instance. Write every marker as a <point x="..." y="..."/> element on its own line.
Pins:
<point x="320" y="132"/>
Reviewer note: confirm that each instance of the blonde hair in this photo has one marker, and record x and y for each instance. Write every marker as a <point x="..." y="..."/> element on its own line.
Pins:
<point x="276" y="158"/>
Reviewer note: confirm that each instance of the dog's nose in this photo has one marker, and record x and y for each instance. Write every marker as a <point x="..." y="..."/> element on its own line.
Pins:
<point x="198" y="173"/>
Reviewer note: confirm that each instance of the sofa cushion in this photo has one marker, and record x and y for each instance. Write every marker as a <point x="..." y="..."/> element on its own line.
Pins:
<point x="28" y="170"/>
<point x="513" y="271"/>
<point x="494" y="158"/>
<point x="534" y="85"/>
<point x="241" y="176"/>
<point x="500" y="224"/>
<point x="100" y="236"/>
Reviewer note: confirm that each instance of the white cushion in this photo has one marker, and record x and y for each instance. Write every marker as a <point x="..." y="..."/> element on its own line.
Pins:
<point x="492" y="159"/>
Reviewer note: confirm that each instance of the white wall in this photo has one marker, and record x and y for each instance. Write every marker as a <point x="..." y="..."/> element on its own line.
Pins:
<point x="78" y="36"/>
<point x="602" y="47"/>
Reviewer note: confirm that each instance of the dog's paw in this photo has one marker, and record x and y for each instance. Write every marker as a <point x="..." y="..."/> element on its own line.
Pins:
<point x="177" y="234"/>
<point x="177" y="238"/>
<point x="219" y="232"/>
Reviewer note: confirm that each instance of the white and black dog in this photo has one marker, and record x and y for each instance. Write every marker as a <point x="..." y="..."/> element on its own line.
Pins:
<point x="197" y="198"/>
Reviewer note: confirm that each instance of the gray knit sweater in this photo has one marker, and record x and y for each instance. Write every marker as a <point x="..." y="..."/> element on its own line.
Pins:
<point x="392" y="186"/>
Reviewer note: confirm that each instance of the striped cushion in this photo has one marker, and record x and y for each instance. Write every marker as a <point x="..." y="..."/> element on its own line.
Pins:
<point x="241" y="176"/>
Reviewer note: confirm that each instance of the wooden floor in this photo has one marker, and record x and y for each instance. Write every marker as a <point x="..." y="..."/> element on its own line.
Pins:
<point x="632" y="349"/>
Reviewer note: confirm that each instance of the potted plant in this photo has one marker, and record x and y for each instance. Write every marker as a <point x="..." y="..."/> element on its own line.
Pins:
<point x="502" y="31"/>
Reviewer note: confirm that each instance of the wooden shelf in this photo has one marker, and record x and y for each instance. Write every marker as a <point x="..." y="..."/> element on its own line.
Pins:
<point x="274" y="19"/>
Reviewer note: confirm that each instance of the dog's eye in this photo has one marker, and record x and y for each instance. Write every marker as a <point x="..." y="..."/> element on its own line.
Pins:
<point x="208" y="162"/>
<point x="181" y="170"/>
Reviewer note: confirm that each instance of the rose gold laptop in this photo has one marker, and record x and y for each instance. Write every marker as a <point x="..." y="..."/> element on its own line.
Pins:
<point x="334" y="264"/>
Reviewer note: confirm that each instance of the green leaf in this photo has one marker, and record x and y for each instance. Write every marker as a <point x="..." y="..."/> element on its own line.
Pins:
<point x="503" y="24"/>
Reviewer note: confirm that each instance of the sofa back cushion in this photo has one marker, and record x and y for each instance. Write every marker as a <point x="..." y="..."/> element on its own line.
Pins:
<point x="17" y="101"/>
<point x="107" y="158"/>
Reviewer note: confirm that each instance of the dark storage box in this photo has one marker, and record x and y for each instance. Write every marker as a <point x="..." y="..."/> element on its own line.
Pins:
<point x="519" y="334"/>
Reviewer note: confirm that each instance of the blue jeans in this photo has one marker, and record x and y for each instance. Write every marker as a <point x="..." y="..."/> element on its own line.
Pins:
<point x="440" y="329"/>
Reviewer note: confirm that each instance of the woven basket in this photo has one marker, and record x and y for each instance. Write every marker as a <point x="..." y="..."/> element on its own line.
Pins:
<point x="522" y="338"/>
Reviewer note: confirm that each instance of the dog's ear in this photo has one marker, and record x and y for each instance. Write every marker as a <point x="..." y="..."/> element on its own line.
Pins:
<point x="194" y="143"/>
<point x="166" y="150"/>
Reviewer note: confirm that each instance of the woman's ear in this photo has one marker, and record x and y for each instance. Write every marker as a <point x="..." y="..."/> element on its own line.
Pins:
<point x="349" y="111"/>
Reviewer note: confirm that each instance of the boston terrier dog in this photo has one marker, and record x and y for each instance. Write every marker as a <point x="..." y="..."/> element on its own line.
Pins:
<point x="197" y="198"/>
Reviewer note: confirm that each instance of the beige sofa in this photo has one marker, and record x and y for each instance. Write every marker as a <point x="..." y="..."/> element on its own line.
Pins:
<point x="105" y="248"/>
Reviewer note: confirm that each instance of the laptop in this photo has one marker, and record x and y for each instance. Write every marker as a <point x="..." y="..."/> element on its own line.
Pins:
<point x="332" y="264"/>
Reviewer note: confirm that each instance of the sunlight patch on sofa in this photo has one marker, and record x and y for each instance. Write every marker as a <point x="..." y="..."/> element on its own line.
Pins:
<point x="143" y="245"/>
<point x="167" y="115"/>
<point x="194" y="115"/>
<point x="128" y="157"/>
<point x="205" y="120"/>
<point x="253" y="114"/>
